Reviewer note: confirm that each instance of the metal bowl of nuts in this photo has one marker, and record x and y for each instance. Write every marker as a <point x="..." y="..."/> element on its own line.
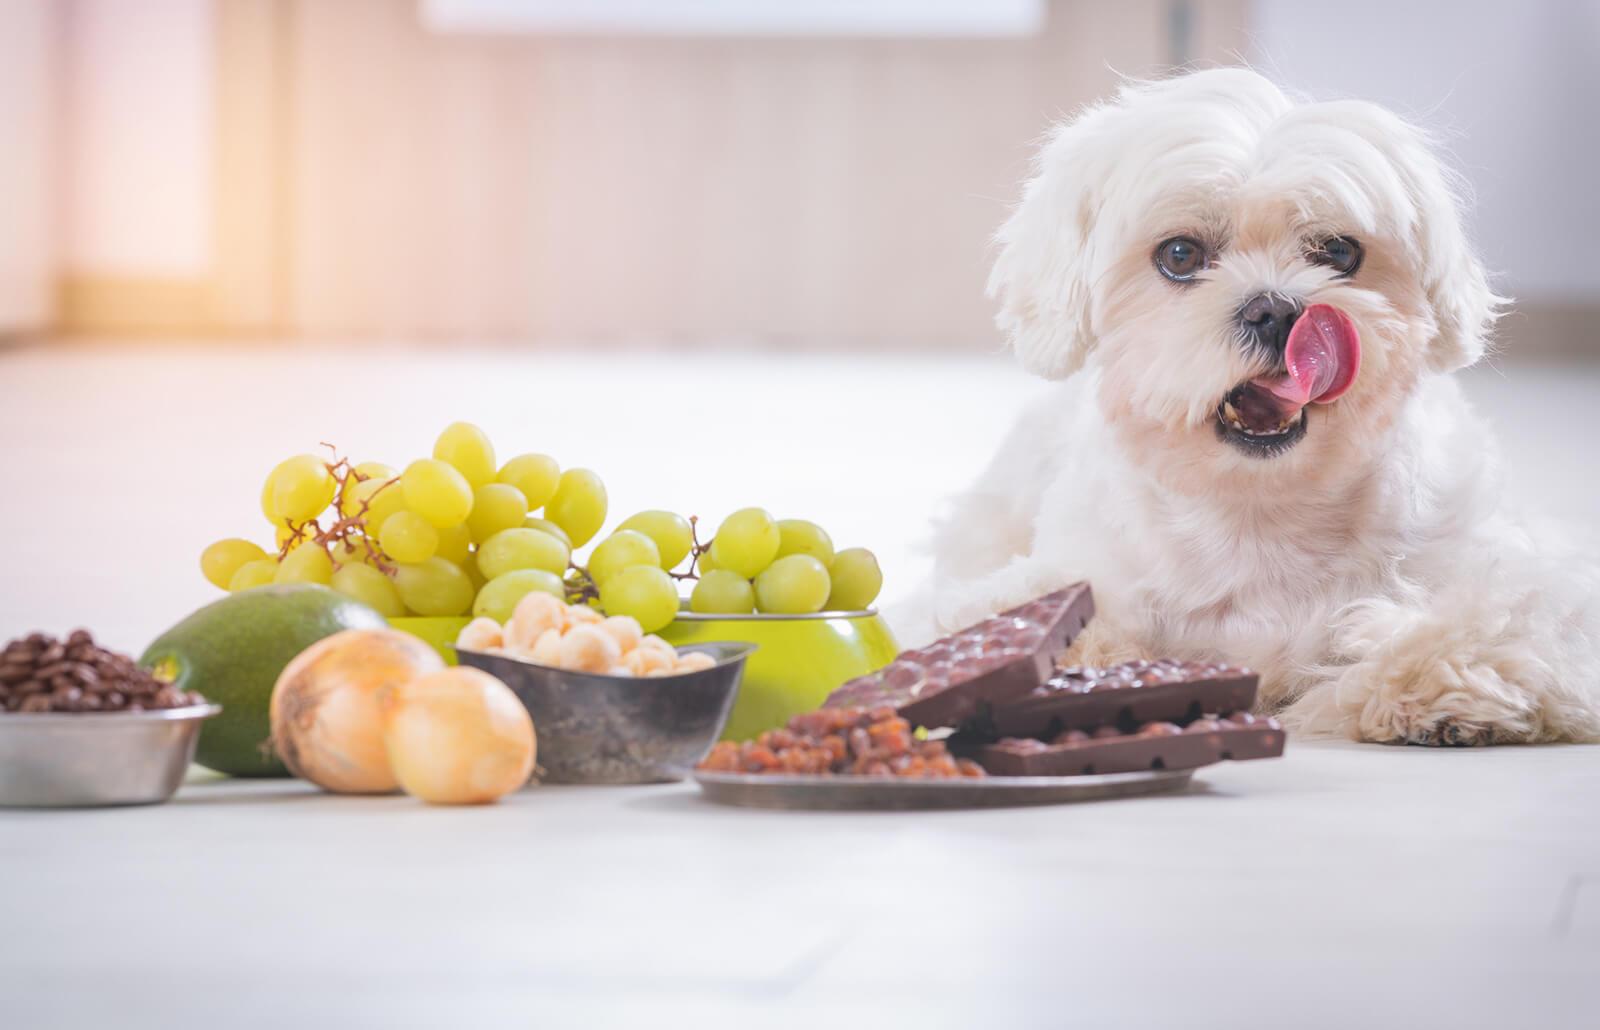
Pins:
<point x="82" y="726"/>
<point x="596" y="728"/>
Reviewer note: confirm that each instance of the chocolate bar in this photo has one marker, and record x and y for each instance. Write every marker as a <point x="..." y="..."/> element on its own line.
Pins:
<point x="1126" y="695"/>
<point x="1155" y="745"/>
<point x="999" y="659"/>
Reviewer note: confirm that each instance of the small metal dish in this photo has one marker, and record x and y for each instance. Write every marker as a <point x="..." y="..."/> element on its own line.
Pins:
<point x="84" y="759"/>
<point x="619" y="729"/>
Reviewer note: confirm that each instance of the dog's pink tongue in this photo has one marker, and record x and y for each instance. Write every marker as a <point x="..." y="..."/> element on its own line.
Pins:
<point x="1322" y="355"/>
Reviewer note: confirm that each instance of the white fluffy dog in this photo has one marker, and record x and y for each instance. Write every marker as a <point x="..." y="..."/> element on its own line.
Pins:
<point x="1258" y="451"/>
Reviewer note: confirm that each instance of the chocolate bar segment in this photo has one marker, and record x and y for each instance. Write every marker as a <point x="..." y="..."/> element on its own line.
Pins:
<point x="1126" y="695"/>
<point x="999" y="659"/>
<point x="1155" y="745"/>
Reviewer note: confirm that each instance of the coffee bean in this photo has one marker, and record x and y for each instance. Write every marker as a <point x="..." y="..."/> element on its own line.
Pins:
<point x="41" y="674"/>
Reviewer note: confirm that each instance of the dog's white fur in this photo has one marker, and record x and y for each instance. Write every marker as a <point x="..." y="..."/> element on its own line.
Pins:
<point x="1372" y="573"/>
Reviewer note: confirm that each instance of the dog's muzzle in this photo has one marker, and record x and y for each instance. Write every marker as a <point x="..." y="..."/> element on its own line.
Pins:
<point x="1265" y="320"/>
<point x="1315" y="352"/>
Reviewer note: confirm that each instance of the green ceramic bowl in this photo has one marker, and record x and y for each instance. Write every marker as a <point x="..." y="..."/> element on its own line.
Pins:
<point x="799" y="659"/>
<point x="438" y="633"/>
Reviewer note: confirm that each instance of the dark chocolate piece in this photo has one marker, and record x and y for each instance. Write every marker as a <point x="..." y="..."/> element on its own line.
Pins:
<point x="1237" y="737"/>
<point x="999" y="659"/>
<point x="1125" y="696"/>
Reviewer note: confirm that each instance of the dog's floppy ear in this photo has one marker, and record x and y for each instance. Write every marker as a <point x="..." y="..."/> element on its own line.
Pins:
<point x="1464" y="306"/>
<point x="1040" y="276"/>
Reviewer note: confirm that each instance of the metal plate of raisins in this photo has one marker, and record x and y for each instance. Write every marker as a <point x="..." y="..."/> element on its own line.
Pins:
<point x="885" y="793"/>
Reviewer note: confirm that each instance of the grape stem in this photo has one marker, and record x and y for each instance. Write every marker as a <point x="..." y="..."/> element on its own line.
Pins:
<point x="696" y="549"/>
<point x="581" y="587"/>
<point x="344" y="527"/>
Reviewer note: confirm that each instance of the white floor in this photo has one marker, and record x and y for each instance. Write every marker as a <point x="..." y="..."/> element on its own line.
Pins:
<point x="1343" y="885"/>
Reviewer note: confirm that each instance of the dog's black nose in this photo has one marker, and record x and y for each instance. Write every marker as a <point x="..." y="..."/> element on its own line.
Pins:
<point x="1267" y="318"/>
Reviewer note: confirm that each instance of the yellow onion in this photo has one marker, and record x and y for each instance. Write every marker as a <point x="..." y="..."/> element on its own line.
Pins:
<point x="326" y="722"/>
<point x="458" y="737"/>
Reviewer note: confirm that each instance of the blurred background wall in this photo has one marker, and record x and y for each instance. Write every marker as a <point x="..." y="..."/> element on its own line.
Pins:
<point x="785" y="174"/>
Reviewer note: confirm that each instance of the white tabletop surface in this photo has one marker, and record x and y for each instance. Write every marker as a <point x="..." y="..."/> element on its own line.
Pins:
<point x="1339" y="886"/>
<point x="1342" y="885"/>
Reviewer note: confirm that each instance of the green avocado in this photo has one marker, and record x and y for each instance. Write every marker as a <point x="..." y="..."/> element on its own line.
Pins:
<point x="232" y="651"/>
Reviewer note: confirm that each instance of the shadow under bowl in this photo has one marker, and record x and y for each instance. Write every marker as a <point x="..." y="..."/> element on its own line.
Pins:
<point x="620" y="729"/>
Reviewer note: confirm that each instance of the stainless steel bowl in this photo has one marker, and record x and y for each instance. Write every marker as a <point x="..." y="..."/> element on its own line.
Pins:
<point x="80" y="759"/>
<point x="620" y="729"/>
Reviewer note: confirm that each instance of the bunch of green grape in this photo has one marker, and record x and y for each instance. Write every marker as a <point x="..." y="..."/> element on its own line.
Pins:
<point x="456" y="534"/>
<point x="448" y="535"/>
<point x="754" y="563"/>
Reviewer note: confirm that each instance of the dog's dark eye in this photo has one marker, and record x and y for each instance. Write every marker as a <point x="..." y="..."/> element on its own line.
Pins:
<point x="1340" y="253"/>
<point x="1181" y="258"/>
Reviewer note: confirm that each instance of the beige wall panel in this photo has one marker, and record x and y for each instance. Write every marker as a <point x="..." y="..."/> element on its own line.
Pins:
<point x="778" y="191"/>
<point x="30" y="32"/>
<point x="251" y="226"/>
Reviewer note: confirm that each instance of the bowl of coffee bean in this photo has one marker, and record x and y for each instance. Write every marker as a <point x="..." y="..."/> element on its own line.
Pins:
<point x="81" y="725"/>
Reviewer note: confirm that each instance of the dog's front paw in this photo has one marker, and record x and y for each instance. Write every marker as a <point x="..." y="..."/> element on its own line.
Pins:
<point x="1427" y="677"/>
<point x="1438" y="704"/>
<point x="1449" y="733"/>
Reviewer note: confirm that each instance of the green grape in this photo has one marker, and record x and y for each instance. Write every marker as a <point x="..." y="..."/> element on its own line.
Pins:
<point x="645" y="592"/>
<point x="286" y="533"/>
<point x="408" y="537"/>
<point x="498" y="598"/>
<point x="370" y="587"/>
<point x="796" y="584"/>
<point x="374" y="470"/>
<point x="512" y="549"/>
<point x="455" y="546"/>
<point x="307" y="563"/>
<point x="746" y="542"/>
<point x="383" y="497"/>
<point x="856" y="580"/>
<point x="546" y="526"/>
<point x="352" y="550"/>
<point x="434" y="587"/>
<point x="670" y="531"/>
<point x="468" y="449"/>
<point x="705" y="563"/>
<point x="253" y="574"/>
<point x="222" y="559"/>
<point x="797" y="536"/>
<point x="302" y="487"/>
<point x="372" y="475"/>
<point x="578" y="506"/>
<point x="268" y="506"/>
<point x="437" y="491"/>
<point x="535" y="475"/>
<point x="722" y="592"/>
<point x="622" y="549"/>
<point x="495" y="506"/>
